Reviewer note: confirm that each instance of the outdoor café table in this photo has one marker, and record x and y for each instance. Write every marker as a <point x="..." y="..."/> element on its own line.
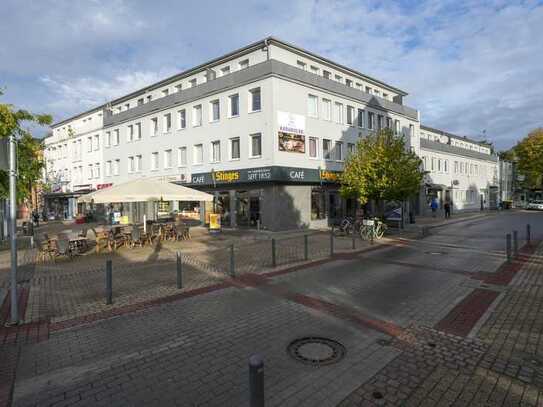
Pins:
<point x="78" y="244"/>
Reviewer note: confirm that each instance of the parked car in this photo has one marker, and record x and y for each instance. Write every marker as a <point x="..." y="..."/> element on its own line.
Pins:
<point x="536" y="205"/>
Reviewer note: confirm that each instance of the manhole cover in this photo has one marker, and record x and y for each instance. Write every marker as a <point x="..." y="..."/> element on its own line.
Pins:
<point x="316" y="351"/>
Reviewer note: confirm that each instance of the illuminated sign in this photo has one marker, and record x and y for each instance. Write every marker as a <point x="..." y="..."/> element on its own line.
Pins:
<point x="227" y="176"/>
<point x="331" y="176"/>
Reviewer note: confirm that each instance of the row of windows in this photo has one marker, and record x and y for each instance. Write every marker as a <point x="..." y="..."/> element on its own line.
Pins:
<point x="439" y="165"/>
<point x="331" y="150"/>
<point x="341" y="114"/>
<point x="135" y="162"/>
<point x="134" y="132"/>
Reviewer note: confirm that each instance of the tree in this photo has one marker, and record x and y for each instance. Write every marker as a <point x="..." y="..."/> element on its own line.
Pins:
<point x="529" y="154"/>
<point x="381" y="169"/>
<point x="29" y="163"/>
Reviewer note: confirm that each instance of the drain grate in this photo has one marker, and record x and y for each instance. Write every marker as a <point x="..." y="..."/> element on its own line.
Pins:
<point x="316" y="351"/>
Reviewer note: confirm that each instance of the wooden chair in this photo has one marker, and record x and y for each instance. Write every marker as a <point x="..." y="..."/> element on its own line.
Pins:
<point x="102" y="240"/>
<point x="44" y="248"/>
<point x="116" y="239"/>
<point x="137" y="238"/>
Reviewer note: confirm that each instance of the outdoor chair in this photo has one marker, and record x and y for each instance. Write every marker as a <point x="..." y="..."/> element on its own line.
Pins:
<point x="137" y="238"/>
<point x="44" y="248"/>
<point x="61" y="246"/>
<point x="116" y="239"/>
<point x="182" y="231"/>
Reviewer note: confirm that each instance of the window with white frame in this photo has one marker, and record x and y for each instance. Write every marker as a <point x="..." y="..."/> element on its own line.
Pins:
<point x="225" y="70"/>
<point x="396" y="127"/>
<point x="138" y="163"/>
<point x="182" y="156"/>
<point x="338" y="78"/>
<point x="350" y="148"/>
<point x="433" y="164"/>
<point x="130" y="133"/>
<point x="326" y="149"/>
<point x="411" y="130"/>
<point x="215" y="151"/>
<point x="456" y="167"/>
<point x="165" y="92"/>
<point x="312" y="106"/>
<point x="439" y="168"/>
<point x="350" y="115"/>
<point x="214" y="110"/>
<point x="327" y="74"/>
<point x="377" y="92"/>
<point x="256" y="145"/>
<point x="371" y="120"/>
<point x="140" y="101"/>
<point x="233" y="105"/>
<point x="327" y="109"/>
<point x="338" y="150"/>
<point x="197" y="115"/>
<point x="97" y="170"/>
<point x="182" y="117"/>
<point x="379" y="121"/>
<point x="116" y="166"/>
<point x="137" y="131"/>
<point x="361" y="118"/>
<point x="338" y="112"/>
<point x="154" y="161"/>
<point x="349" y="83"/>
<point x="126" y="106"/>
<point x="315" y="69"/>
<point x="313" y="145"/>
<point x="445" y="166"/>
<point x="168" y="158"/>
<point x="198" y="154"/>
<point x="89" y="144"/>
<point x="167" y="122"/>
<point x="389" y="123"/>
<point x="234" y="148"/>
<point x="116" y="137"/>
<point x="107" y="142"/>
<point x="243" y="64"/>
<point x="108" y="168"/>
<point x="255" y="99"/>
<point x="178" y="88"/>
<point x="131" y="166"/>
<point x="301" y="65"/>
<point x="154" y="126"/>
<point x="193" y="83"/>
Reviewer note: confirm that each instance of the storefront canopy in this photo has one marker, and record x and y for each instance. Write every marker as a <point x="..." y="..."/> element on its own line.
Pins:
<point x="143" y="190"/>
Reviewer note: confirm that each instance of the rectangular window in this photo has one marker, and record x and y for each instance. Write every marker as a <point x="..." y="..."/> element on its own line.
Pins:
<point x="198" y="156"/>
<point x="411" y="130"/>
<point x="234" y="105"/>
<point x="130" y="164"/>
<point x="338" y="149"/>
<point x="376" y="92"/>
<point x="167" y="122"/>
<point x="181" y="156"/>
<point x="361" y="117"/>
<point x="439" y="164"/>
<point x="396" y="127"/>
<point x="446" y="166"/>
<point x="182" y="115"/>
<point x="350" y="115"/>
<point x="165" y="92"/>
<point x="433" y="163"/>
<point x="327" y="109"/>
<point x="349" y="83"/>
<point x="313" y="147"/>
<point x="138" y="163"/>
<point x="108" y="139"/>
<point x="140" y="101"/>
<point x="371" y="120"/>
<point x="338" y="112"/>
<point x="89" y="172"/>
<point x="130" y="133"/>
<point x="193" y="83"/>
<point x="256" y="145"/>
<point x="138" y="131"/>
<point x="318" y="203"/>
<point x="97" y="170"/>
<point x="149" y="98"/>
<point x="154" y="126"/>
<point x="255" y="99"/>
<point x="312" y="106"/>
<point x="89" y="144"/>
<point x="116" y="137"/>
<point x="178" y="88"/>
<point x="215" y="151"/>
<point x="350" y="148"/>
<point x="108" y="168"/>
<point x="168" y="159"/>
<point x="315" y="70"/>
<point x="116" y="165"/>
<point x="243" y="64"/>
<point x="197" y="116"/>
<point x="301" y="65"/>
<point x="234" y="148"/>
<point x="326" y="146"/>
<point x="127" y="106"/>
<point x="225" y="70"/>
<point x="214" y="107"/>
<point x="389" y="123"/>
<point x="379" y="122"/>
<point x="338" y="78"/>
<point x="154" y="161"/>
<point x="368" y="90"/>
<point x="327" y="75"/>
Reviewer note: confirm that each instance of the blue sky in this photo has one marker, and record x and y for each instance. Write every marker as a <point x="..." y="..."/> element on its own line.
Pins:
<point x="467" y="66"/>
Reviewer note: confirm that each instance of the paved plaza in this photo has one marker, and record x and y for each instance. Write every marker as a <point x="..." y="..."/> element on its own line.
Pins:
<point x="438" y="321"/>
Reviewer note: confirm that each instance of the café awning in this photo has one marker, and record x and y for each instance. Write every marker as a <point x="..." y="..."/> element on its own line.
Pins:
<point x="144" y="190"/>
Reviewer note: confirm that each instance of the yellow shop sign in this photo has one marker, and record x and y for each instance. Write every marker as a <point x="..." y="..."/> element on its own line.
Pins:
<point x="227" y="176"/>
<point x="331" y="176"/>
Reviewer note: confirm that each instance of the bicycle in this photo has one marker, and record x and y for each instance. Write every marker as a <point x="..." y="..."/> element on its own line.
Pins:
<point x="346" y="226"/>
<point x="372" y="229"/>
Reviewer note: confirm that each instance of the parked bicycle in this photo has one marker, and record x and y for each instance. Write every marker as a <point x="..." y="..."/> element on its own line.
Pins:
<point x="346" y="226"/>
<point x="372" y="228"/>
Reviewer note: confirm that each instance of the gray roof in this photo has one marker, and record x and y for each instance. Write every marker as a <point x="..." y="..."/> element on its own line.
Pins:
<point x="215" y="61"/>
<point x="445" y="133"/>
<point x="447" y="148"/>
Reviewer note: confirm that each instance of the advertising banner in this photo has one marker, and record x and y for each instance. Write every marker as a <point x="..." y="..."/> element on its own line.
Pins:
<point x="291" y="132"/>
<point x="291" y="143"/>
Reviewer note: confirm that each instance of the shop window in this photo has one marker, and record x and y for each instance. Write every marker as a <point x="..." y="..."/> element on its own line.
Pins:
<point x="318" y="207"/>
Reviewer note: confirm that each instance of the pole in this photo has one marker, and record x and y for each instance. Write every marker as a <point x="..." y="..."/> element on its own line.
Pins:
<point x="528" y="234"/>
<point x="515" y="243"/>
<point x="306" y="247"/>
<point x="109" y="283"/>
<point x="256" y="381"/>
<point x="179" y="270"/>
<point x="13" y="227"/>
<point x="145" y="222"/>
<point x="354" y="239"/>
<point x="232" y="266"/>
<point x="508" y="247"/>
<point x="332" y="242"/>
<point x="274" y="259"/>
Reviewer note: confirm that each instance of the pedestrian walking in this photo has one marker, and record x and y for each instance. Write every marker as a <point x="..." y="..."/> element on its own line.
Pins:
<point x="447" y="207"/>
<point x="433" y="206"/>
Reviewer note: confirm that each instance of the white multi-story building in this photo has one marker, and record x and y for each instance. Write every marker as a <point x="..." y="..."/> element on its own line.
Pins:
<point x="265" y="128"/>
<point x="459" y="170"/>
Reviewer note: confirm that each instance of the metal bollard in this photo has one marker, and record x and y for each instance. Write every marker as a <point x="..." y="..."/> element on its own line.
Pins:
<point x="256" y="380"/>
<point x="306" y="247"/>
<point x="528" y="234"/>
<point x="31" y="242"/>
<point x="179" y="269"/>
<point x="109" y="283"/>
<point x="232" y="267"/>
<point x="515" y="243"/>
<point x="274" y="259"/>
<point x="508" y="247"/>
<point x="332" y="242"/>
<point x="354" y="239"/>
<point x="372" y="234"/>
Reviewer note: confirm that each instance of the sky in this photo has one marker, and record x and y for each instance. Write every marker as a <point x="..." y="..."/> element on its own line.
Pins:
<point x="473" y="68"/>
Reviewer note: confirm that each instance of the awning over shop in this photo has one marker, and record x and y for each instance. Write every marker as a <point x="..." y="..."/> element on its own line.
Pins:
<point x="144" y="190"/>
<point x="437" y="186"/>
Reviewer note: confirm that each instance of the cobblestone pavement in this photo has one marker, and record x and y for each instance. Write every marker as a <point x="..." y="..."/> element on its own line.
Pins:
<point x="384" y="306"/>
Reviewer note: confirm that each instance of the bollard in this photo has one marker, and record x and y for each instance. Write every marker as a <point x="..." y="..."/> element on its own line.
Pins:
<point x="354" y="239"/>
<point x="179" y="270"/>
<point x="372" y="232"/>
<point x="508" y="247"/>
<point x="256" y="381"/>
<point x="232" y="268"/>
<point x="528" y="234"/>
<point x="109" y="283"/>
<point x="332" y="242"/>
<point x="306" y="247"/>
<point x="31" y="242"/>
<point x="515" y="243"/>
<point x="274" y="259"/>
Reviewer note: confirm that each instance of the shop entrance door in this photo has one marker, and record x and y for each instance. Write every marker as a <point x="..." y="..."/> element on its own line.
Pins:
<point x="242" y="208"/>
<point x="254" y="211"/>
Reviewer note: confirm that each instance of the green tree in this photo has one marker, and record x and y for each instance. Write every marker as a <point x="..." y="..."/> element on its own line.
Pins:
<point x="529" y="154"/>
<point x="12" y="122"/>
<point x="381" y="169"/>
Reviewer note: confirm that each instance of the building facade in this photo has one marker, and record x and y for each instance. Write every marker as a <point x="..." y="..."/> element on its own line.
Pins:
<point x="266" y="129"/>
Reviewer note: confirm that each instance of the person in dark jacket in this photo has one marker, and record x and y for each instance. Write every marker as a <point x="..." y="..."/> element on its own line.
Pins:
<point x="447" y="207"/>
